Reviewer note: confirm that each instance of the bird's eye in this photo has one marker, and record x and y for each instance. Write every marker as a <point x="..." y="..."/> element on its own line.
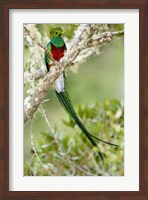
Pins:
<point x="56" y="33"/>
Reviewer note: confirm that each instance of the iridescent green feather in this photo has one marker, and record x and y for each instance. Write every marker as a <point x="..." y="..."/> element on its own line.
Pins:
<point x="47" y="60"/>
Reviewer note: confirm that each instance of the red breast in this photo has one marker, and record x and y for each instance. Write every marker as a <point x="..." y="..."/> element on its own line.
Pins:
<point x="57" y="52"/>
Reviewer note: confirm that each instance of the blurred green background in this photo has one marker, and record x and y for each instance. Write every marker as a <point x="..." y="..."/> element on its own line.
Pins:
<point x="99" y="81"/>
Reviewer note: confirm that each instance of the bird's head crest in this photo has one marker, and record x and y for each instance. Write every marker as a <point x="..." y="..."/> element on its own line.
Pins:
<point x="56" y="32"/>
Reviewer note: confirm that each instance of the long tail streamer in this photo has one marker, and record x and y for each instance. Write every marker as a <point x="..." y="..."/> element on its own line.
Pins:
<point x="66" y="103"/>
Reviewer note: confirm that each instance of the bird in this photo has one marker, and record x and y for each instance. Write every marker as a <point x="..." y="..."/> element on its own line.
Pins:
<point x="57" y="47"/>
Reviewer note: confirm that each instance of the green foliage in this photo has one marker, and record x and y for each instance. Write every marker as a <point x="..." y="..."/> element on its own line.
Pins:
<point x="117" y="27"/>
<point x="104" y="121"/>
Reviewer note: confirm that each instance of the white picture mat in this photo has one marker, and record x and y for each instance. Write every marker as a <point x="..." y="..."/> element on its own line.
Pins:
<point x="128" y="182"/>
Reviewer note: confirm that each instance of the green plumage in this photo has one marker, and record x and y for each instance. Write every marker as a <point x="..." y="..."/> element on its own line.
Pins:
<point x="58" y="42"/>
<point x="57" y="47"/>
<point x="66" y="103"/>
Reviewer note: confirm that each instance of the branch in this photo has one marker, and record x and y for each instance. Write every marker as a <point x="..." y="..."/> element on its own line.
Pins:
<point x="40" y="45"/>
<point x="35" y="152"/>
<point x="78" y="44"/>
<point x="33" y="101"/>
<point x="104" y="37"/>
<point x="101" y="40"/>
<point x="39" y="73"/>
<point x="42" y="111"/>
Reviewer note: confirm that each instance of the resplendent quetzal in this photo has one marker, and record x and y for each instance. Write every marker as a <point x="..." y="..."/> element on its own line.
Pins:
<point x="57" y="48"/>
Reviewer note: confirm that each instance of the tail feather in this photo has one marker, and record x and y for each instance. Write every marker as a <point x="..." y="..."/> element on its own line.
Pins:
<point x="59" y="84"/>
<point x="71" y="112"/>
<point x="63" y="97"/>
<point x="65" y="102"/>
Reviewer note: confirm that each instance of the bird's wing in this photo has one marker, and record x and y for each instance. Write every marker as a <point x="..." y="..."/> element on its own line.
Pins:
<point x="47" y="60"/>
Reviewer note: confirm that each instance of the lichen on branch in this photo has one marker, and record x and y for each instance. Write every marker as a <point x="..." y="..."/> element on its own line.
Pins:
<point x="82" y="46"/>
